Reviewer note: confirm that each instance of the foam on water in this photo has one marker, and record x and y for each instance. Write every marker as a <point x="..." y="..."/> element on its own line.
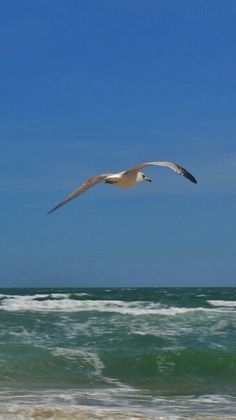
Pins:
<point x="85" y="357"/>
<point x="223" y="303"/>
<point x="119" y="404"/>
<point x="117" y="354"/>
<point x="63" y="303"/>
<point x="58" y="295"/>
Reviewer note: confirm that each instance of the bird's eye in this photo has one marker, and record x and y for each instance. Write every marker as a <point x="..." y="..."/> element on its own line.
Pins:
<point x="143" y="176"/>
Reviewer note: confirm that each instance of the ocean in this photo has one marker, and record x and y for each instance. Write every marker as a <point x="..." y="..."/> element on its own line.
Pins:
<point x="118" y="353"/>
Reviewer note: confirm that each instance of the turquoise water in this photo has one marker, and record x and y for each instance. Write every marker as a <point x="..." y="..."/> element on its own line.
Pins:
<point x="118" y="353"/>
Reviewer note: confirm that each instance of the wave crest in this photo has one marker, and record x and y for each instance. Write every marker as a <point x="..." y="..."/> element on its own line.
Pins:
<point x="57" y="302"/>
<point x="223" y="303"/>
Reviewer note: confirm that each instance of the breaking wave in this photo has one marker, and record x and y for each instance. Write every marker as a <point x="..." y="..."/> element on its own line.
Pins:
<point x="117" y="353"/>
<point x="63" y="302"/>
<point x="223" y="303"/>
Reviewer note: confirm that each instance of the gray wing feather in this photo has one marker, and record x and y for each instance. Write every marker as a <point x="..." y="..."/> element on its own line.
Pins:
<point x="91" y="182"/>
<point x="177" y="168"/>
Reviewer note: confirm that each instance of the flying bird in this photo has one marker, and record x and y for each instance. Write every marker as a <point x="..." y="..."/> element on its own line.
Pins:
<point x="125" y="179"/>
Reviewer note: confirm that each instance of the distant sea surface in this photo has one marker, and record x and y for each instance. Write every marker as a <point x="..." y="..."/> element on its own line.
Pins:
<point x="138" y="353"/>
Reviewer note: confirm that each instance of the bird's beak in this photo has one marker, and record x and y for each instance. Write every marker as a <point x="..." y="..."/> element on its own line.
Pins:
<point x="148" y="179"/>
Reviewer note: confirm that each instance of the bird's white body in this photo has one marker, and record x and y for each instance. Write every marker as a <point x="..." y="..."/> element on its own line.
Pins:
<point x="126" y="179"/>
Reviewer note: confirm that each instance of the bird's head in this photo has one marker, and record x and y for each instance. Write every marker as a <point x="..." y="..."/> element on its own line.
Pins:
<point x="144" y="178"/>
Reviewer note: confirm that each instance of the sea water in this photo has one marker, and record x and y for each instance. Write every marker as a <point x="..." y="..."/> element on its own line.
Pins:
<point x="118" y="353"/>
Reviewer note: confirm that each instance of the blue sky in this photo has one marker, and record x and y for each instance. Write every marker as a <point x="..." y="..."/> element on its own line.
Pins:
<point x="97" y="86"/>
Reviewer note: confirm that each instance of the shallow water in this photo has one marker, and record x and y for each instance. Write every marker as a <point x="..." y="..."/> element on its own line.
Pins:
<point x="118" y="353"/>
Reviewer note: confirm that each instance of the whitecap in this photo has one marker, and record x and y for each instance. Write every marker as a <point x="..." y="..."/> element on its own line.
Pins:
<point x="36" y="296"/>
<point x="138" y="308"/>
<point x="223" y="303"/>
<point x="40" y="296"/>
<point x="60" y="295"/>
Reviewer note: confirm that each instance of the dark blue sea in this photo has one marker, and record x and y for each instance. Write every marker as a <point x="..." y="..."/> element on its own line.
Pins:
<point x="119" y="353"/>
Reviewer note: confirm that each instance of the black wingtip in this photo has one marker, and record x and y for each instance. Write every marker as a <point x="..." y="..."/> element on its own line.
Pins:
<point x="192" y="179"/>
<point x="54" y="208"/>
<point x="49" y="212"/>
<point x="189" y="176"/>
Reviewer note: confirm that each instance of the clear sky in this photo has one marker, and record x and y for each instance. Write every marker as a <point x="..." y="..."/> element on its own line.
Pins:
<point x="93" y="86"/>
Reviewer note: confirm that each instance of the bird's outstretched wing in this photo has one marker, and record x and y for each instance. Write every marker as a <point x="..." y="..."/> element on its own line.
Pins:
<point x="179" y="169"/>
<point x="91" y="182"/>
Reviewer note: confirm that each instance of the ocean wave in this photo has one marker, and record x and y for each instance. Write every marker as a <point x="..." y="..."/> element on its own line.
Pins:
<point x="2" y="296"/>
<point x="86" y="358"/>
<point x="223" y="303"/>
<point x="36" y="296"/>
<point x="59" y="295"/>
<point x="88" y="362"/>
<point x="16" y="303"/>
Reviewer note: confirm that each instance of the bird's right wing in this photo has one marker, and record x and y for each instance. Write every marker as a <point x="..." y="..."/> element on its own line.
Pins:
<point x="177" y="168"/>
<point x="91" y="182"/>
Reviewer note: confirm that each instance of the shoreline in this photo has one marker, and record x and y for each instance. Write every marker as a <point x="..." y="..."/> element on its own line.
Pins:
<point x="92" y="404"/>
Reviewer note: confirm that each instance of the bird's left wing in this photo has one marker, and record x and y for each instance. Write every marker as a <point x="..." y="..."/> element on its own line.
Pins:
<point x="91" y="182"/>
<point x="179" y="169"/>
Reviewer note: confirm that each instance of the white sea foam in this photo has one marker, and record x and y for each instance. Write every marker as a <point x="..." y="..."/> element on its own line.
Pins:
<point x="17" y="303"/>
<point x="36" y="296"/>
<point x="31" y="412"/>
<point x="5" y="296"/>
<point x="40" y="296"/>
<point x="60" y="295"/>
<point x="85" y="357"/>
<point x="145" y="329"/>
<point x="113" y="404"/>
<point x="223" y="303"/>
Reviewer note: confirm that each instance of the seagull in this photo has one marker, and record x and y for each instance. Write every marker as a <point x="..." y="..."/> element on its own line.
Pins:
<point x="126" y="179"/>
